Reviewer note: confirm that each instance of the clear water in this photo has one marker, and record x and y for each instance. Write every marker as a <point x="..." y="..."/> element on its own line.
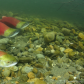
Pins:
<point x="69" y="10"/>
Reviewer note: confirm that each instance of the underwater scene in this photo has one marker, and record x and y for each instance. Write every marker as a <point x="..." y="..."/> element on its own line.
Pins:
<point x="41" y="41"/>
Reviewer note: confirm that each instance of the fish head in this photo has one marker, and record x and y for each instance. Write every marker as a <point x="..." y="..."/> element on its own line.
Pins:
<point x="7" y="60"/>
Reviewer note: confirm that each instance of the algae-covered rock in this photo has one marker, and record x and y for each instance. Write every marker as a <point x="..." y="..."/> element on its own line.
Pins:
<point x="5" y="73"/>
<point x="26" y="69"/>
<point x="2" y="47"/>
<point x="62" y="49"/>
<point x="81" y="35"/>
<point x="66" y="75"/>
<point x="40" y="82"/>
<point x="57" y="52"/>
<point x="31" y="75"/>
<point x="49" y="36"/>
<point x="36" y="81"/>
<point x="65" y="31"/>
<point x="23" y="78"/>
<point x="59" y="38"/>
<point x="42" y="61"/>
<point x="56" y="47"/>
<point x="71" y="54"/>
<point x="59" y="60"/>
<point x="43" y="30"/>
<point x="82" y="75"/>
<point x="25" y="59"/>
<point x="4" y="40"/>
<point x="40" y="56"/>
<point x="34" y="70"/>
<point x="80" y="61"/>
<point x="38" y="65"/>
<point x="13" y="68"/>
<point x="71" y="78"/>
<point x="68" y="50"/>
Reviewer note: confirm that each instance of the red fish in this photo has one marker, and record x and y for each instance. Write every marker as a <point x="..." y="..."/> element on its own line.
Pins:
<point x="10" y="26"/>
<point x="7" y="60"/>
<point x="10" y="21"/>
<point x="13" y="22"/>
<point x="7" y="31"/>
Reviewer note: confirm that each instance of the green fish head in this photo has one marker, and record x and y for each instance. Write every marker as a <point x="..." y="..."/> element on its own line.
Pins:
<point x="8" y="60"/>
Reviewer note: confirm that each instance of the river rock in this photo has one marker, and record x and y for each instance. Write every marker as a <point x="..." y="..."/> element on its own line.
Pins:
<point x="49" y="36"/>
<point x="14" y="68"/>
<point x="4" y="40"/>
<point x="40" y="56"/>
<point x="65" y="31"/>
<point x="26" y="69"/>
<point x="5" y="73"/>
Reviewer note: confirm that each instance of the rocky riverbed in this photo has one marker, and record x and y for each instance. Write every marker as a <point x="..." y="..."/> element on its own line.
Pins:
<point x="48" y="52"/>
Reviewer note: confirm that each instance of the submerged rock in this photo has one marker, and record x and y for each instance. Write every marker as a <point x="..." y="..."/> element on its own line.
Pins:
<point x="4" y="40"/>
<point x="65" y="31"/>
<point x="40" y="56"/>
<point x="6" y="72"/>
<point x="14" y="68"/>
<point x="59" y="38"/>
<point x="40" y="82"/>
<point x="25" y="59"/>
<point x="49" y="36"/>
<point x="26" y="69"/>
